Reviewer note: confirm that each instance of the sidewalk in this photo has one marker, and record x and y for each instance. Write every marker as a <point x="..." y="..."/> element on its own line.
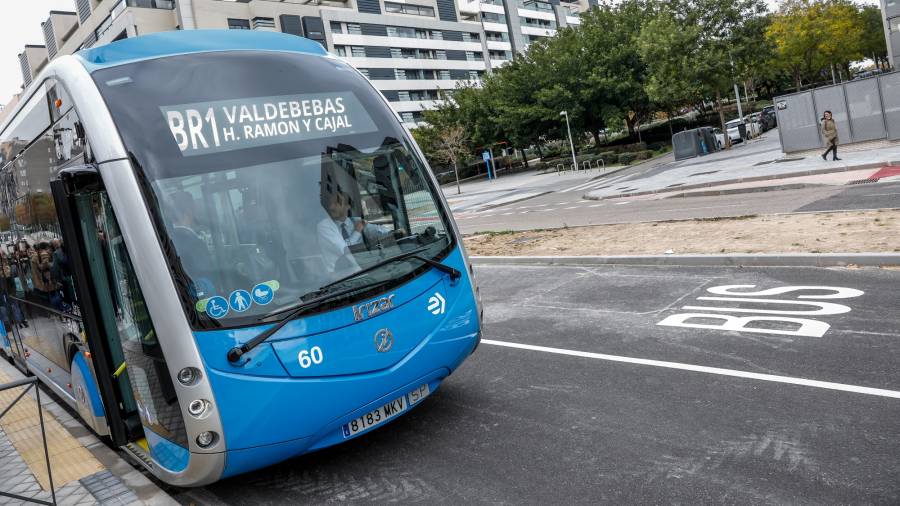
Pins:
<point x="85" y="471"/>
<point x="759" y="159"/>
<point x="513" y="187"/>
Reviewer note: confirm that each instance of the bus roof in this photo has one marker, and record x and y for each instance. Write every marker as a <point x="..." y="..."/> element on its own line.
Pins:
<point x="161" y="44"/>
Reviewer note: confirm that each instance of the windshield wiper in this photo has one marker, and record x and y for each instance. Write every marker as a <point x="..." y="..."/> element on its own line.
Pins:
<point x="450" y="271"/>
<point x="237" y="352"/>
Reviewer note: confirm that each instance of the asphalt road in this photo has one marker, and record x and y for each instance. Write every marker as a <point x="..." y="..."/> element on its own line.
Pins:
<point x="554" y="210"/>
<point x="583" y="420"/>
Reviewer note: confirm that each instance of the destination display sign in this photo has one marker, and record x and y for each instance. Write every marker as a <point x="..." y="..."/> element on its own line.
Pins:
<point x="210" y="127"/>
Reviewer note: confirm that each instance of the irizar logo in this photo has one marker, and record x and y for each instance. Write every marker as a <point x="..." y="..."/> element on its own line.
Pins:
<point x="437" y="304"/>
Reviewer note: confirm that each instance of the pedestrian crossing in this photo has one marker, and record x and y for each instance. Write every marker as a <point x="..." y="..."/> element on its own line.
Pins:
<point x="537" y="208"/>
<point x="497" y="209"/>
<point x="594" y="184"/>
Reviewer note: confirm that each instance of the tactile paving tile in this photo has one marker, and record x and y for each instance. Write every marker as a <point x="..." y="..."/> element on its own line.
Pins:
<point x="68" y="459"/>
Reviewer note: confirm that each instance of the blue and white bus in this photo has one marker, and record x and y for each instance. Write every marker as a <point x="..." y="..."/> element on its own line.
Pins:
<point x="224" y="250"/>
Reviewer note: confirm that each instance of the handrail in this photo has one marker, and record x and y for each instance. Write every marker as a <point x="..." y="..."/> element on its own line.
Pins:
<point x="31" y="382"/>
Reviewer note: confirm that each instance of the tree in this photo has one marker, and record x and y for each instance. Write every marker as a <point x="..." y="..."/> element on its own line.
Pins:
<point x="452" y="146"/>
<point x="690" y="44"/>
<point x="873" y="44"/>
<point x="812" y="37"/>
<point x="669" y="49"/>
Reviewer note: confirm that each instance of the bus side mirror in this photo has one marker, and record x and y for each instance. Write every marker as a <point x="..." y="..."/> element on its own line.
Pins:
<point x="81" y="178"/>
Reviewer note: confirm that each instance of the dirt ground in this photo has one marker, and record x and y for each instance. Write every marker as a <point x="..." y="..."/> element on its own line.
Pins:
<point x="844" y="232"/>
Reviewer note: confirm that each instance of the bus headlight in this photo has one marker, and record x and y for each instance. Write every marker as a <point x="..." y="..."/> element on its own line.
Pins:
<point x="197" y="407"/>
<point x="188" y="376"/>
<point x="207" y="439"/>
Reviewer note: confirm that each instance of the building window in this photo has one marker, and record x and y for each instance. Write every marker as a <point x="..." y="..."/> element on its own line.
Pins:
<point x="474" y="55"/>
<point x="415" y="10"/>
<point x="444" y="75"/>
<point x="354" y="29"/>
<point x="470" y="37"/>
<point x="238" y="24"/>
<point x="492" y="17"/>
<point x="336" y="27"/>
<point x="535" y="6"/>
<point x="364" y="72"/>
<point x="475" y="75"/>
<point x="340" y="50"/>
<point x="894" y="24"/>
<point x="260" y="23"/>
<point x="498" y="55"/>
<point x="538" y="23"/>
<point x="401" y="31"/>
<point x="496" y="36"/>
<point x="357" y="51"/>
<point x="407" y="117"/>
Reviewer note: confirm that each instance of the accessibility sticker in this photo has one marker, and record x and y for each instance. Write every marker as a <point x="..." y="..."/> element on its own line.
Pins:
<point x="216" y="307"/>
<point x="262" y="294"/>
<point x="239" y="300"/>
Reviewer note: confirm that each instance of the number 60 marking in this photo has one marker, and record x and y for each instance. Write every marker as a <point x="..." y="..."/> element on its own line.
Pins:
<point x="310" y="357"/>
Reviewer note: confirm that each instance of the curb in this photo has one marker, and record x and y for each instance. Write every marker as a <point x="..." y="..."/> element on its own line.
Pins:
<point x="736" y="191"/>
<point x="748" y="260"/>
<point x="785" y="175"/>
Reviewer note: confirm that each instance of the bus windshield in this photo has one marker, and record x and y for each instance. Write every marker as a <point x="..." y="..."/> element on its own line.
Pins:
<point x="270" y="175"/>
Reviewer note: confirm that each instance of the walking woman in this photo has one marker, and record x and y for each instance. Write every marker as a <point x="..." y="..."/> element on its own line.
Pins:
<point x="829" y="133"/>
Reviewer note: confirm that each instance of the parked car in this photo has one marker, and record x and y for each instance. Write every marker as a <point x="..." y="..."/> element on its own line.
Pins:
<point x="769" y="113"/>
<point x="734" y="131"/>
<point x="760" y="120"/>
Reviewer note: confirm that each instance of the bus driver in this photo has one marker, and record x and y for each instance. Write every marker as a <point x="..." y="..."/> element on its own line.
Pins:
<point x="338" y="232"/>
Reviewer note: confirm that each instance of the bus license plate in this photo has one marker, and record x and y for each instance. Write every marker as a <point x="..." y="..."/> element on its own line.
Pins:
<point x="385" y="412"/>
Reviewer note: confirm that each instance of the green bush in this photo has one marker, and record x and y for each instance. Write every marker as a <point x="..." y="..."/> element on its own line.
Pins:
<point x="609" y="157"/>
<point x="645" y="155"/>
<point x="634" y="148"/>
<point x="626" y="158"/>
<point x="657" y="146"/>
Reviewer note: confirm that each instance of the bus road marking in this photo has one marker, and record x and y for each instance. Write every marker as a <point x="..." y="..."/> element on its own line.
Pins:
<point x="827" y="385"/>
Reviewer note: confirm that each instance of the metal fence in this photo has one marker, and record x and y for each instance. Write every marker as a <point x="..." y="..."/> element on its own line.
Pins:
<point x="28" y="383"/>
<point x="864" y="110"/>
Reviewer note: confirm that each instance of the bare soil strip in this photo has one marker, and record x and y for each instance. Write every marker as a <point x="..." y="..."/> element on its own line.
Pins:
<point x="843" y="232"/>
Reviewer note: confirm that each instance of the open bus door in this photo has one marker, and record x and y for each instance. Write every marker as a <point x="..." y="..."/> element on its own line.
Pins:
<point x="130" y="362"/>
<point x="72" y="197"/>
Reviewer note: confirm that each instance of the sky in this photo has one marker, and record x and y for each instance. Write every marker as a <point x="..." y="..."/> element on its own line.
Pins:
<point x="20" y="25"/>
<point x="23" y="26"/>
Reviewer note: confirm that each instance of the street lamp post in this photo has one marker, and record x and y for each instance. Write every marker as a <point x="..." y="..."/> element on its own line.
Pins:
<point x="571" y="145"/>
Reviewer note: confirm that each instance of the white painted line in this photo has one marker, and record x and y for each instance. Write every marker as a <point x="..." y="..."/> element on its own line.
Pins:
<point x="524" y="212"/>
<point x="623" y="203"/>
<point x="484" y="215"/>
<point x="596" y="205"/>
<point x="699" y="208"/>
<point x="704" y="369"/>
<point x="541" y="205"/>
<point x="881" y="194"/>
<point x="573" y="207"/>
<point x="548" y="209"/>
<point x="562" y="203"/>
<point x="506" y="214"/>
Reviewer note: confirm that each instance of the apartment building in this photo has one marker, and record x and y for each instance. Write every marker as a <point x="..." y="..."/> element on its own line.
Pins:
<point x="890" y="9"/>
<point x="413" y="51"/>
